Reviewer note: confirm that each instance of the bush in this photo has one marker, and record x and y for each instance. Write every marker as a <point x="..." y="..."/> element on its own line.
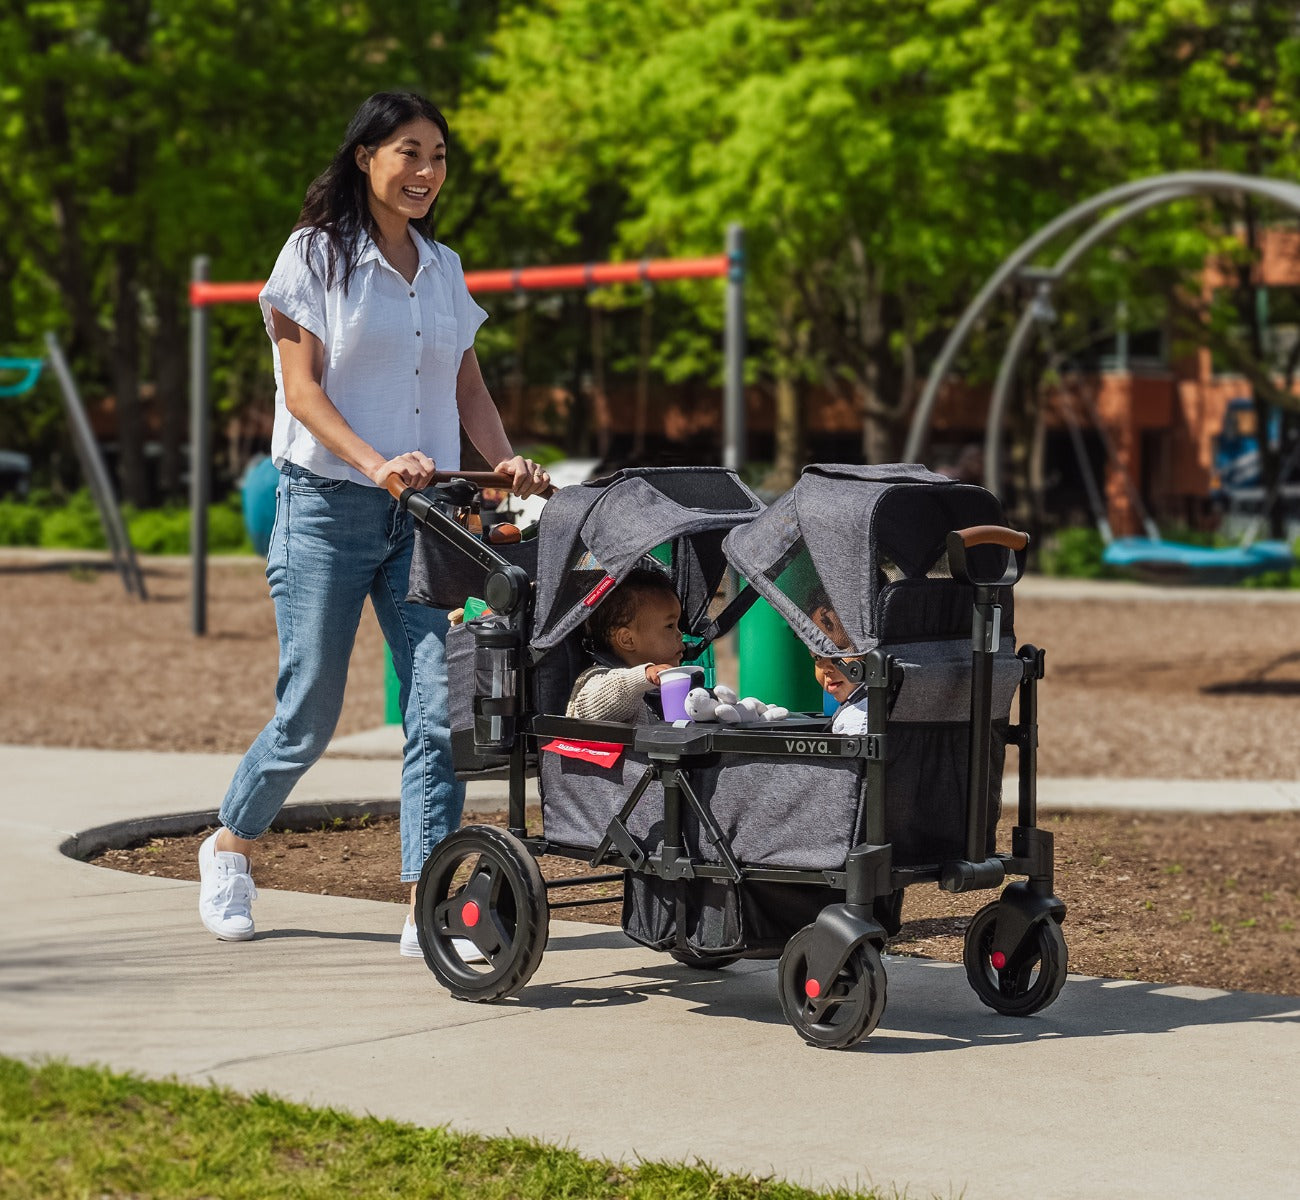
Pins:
<point x="167" y="530"/>
<point x="1076" y="554"/>
<point x="75" y="526"/>
<point x="20" y="524"/>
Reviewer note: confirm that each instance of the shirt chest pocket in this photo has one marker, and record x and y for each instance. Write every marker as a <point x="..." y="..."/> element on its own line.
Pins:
<point x="443" y="343"/>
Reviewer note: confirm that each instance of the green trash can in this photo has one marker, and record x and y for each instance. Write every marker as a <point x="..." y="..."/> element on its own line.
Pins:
<point x="775" y="666"/>
<point x="392" y="706"/>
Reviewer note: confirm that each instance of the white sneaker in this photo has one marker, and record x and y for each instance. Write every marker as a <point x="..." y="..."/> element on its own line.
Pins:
<point x="226" y="893"/>
<point x="409" y="946"/>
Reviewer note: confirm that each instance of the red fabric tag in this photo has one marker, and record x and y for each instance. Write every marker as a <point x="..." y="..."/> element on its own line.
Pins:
<point x="603" y="754"/>
<point x="593" y="597"/>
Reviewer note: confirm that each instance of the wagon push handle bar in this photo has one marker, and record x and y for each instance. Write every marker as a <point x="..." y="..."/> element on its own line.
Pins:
<point x="961" y="540"/>
<point x="480" y="479"/>
<point x="986" y="631"/>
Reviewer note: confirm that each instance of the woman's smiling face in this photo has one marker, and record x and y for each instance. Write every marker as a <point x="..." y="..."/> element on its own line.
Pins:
<point x="406" y="170"/>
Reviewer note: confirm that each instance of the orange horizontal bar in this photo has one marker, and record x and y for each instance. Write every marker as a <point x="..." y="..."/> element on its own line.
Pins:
<point x="575" y="275"/>
<point x="222" y="293"/>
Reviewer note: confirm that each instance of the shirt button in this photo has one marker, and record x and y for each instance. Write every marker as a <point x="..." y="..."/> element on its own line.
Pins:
<point x="417" y="333"/>
<point x="417" y="370"/>
<point x="417" y="410"/>
<point x="411" y="294"/>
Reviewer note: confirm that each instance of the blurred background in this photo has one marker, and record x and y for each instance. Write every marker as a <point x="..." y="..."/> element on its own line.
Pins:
<point x="882" y="158"/>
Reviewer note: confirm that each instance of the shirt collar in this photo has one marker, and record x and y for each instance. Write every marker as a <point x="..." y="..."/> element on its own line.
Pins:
<point x="369" y="252"/>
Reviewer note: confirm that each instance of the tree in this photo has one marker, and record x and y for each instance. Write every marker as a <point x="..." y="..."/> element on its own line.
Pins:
<point x="883" y="156"/>
<point x="138" y="133"/>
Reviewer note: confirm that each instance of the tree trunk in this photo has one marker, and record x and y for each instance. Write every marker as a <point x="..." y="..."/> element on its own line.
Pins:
<point x="787" y="449"/>
<point x="126" y="381"/>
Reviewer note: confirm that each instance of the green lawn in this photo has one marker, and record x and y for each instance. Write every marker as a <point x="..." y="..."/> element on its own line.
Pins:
<point x="84" y="1132"/>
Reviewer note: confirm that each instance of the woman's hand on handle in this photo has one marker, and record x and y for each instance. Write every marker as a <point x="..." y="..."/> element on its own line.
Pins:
<point x="413" y="469"/>
<point x="527" y="477"/>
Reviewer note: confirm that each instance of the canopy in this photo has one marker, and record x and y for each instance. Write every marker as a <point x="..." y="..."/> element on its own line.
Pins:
<point x="592" y="534"/>
<point x="822" y="554"/>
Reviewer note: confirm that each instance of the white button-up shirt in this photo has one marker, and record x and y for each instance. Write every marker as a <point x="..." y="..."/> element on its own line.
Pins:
<point x="392" y="351"/>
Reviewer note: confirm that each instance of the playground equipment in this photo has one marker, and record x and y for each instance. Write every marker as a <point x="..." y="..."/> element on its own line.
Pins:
<point x="203" y="294"/>
<point x="87" y="449"/>
<point x="1151" y="557"/>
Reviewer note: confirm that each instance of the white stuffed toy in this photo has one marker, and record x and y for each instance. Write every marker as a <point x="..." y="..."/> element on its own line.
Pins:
<point x="724" y="705"/>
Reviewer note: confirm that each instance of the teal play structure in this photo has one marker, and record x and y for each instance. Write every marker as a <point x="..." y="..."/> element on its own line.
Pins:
<point x="30" y="369"/>
<point x="1150" y="557"/>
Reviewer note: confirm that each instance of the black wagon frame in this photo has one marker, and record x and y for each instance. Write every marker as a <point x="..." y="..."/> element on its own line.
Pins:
<point x="831" y="980"/>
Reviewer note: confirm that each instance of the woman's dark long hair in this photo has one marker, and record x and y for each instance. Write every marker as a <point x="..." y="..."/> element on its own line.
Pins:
<point x="336" y="205"/>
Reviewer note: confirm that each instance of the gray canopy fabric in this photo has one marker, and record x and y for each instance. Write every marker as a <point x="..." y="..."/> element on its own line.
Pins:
<point x="822" y="553"/>
<point x="598" y="531"/>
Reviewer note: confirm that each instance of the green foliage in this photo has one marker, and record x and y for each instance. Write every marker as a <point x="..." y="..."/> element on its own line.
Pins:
<point x="543" y="453"/>
<point x="20" y="524"/>
<point x="74" y="526"/>
<point x="1075" y="553"/>
<point x="70" y="1131"/>
<point x="167" y="530"/>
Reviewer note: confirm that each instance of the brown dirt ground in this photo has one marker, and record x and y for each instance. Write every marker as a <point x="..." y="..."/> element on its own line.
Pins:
<point x="1161" y="688"/>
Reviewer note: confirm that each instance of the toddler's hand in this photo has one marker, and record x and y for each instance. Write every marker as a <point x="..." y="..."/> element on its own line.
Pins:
<point x="652" y="671"/>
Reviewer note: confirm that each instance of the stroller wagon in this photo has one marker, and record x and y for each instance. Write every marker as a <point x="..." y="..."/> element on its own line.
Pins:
<point x="780" y="840"/>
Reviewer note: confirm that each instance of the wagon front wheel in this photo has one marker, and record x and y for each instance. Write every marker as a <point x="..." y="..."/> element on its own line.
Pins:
<point x="1027" y="982"/>
<point x="483" y="886"/>
<point x="837" y="1014"/>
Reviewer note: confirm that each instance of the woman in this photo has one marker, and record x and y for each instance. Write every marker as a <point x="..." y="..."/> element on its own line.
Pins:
<point x="372" y="329"/>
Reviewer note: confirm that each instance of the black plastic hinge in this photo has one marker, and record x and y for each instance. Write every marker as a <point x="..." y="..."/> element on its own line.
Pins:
<point x="625" y="844"/>
<point x="870" y="746"/>
<point x="1033" y="662"/>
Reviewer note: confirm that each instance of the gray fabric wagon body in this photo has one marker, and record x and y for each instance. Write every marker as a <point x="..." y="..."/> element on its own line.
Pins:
<point x="865" y="545"/>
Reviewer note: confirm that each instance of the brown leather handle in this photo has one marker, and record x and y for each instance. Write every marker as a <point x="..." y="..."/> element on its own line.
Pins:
<point x="482" y="479"/>
<point x="993" y="535"/>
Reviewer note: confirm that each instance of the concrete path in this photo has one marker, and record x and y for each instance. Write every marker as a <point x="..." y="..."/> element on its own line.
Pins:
<point x="1118" y="1090"/>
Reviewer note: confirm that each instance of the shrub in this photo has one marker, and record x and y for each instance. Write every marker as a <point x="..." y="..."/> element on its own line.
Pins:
<point x="20" y="524"/>
<point x="1076" y="553"/>
<point x="75" y="526"/>
<point x="167" y="530"/>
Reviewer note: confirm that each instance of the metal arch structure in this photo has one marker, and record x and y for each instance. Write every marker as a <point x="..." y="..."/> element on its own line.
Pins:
<point x="1136" y="197"/>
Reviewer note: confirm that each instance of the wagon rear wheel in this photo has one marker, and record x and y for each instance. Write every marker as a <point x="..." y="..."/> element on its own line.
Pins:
<point x="837" y="1014"/>
<point x="482" y="884"/>
<point x="1024" y="984"/>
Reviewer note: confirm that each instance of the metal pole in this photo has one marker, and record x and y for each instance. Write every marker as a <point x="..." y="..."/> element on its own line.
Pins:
<point x="1038" y="310"/>
<point x="1199" y="182"/>
<point x="733" y="406"/>
<point x="101" y="488"/>
<point x="200" y="452"/>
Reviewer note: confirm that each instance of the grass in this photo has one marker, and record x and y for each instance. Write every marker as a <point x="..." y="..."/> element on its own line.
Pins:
<point x="68" y="1131"/>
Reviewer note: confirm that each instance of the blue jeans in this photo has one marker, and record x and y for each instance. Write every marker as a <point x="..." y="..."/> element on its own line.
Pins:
<point x="335" y="543"/>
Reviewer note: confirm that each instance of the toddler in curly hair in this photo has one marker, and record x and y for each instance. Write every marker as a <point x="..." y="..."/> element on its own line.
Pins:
<point x="635" y="635"/>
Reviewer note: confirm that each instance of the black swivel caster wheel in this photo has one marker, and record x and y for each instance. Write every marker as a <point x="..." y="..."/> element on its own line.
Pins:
<point x="837" y="1015"/>
<point x="481" y="884"/>
<point x="1028" y="982"/>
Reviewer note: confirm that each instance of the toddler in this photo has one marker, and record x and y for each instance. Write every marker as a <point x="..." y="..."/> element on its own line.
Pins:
<point x="635" y="635"/>
<point x="851" y="716"/>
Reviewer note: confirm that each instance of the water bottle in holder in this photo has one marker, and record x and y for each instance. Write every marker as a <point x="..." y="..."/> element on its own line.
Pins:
<point x="496" y="684"/>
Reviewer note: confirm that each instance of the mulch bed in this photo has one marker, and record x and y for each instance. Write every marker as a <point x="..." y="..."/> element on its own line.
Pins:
<point x="1168" y="898"/>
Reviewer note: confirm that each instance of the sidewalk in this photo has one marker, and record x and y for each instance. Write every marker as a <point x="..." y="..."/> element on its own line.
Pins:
<point x="1120" y="1089"/>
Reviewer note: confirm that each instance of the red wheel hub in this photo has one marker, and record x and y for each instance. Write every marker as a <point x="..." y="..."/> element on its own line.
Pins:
<point x="812" y="989"/>
<point x="470" y="913"/>
<point x="998" y="959"/>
